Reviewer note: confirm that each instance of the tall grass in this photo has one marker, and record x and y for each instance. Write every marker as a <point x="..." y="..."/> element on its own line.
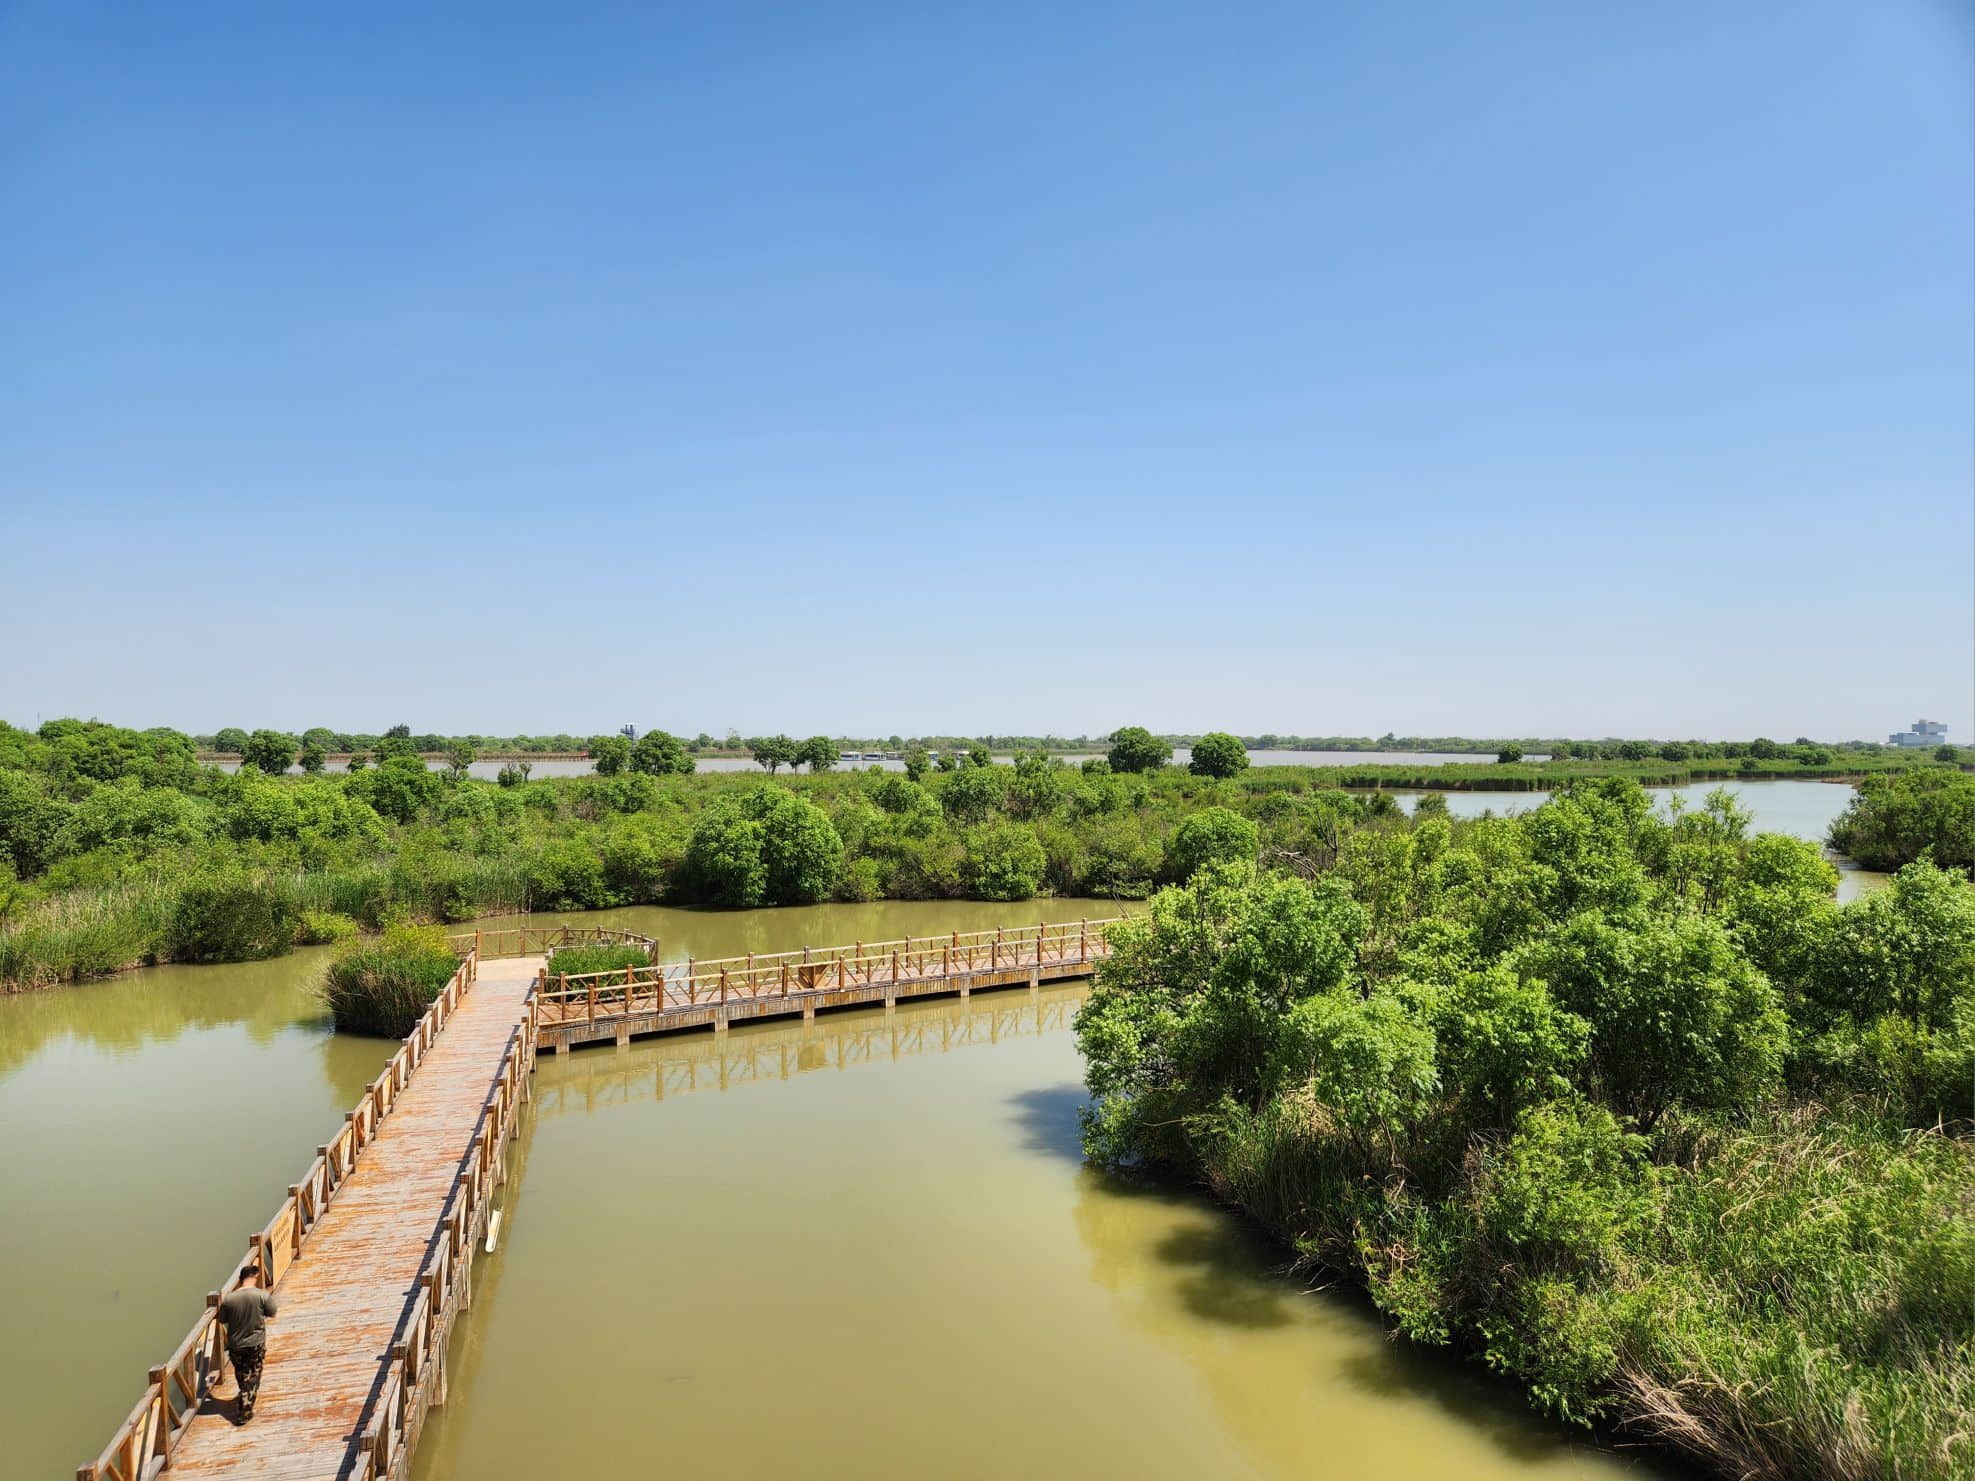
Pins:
<point x="88" y="933"/>
<point x="382" y="987"/>
<point x="1789" y="1297"/>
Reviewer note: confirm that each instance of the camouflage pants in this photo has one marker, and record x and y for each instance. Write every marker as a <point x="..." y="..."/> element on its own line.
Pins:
<point x="247" y="1373"/>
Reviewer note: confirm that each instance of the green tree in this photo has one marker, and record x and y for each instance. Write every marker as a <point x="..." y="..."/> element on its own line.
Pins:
<point x="1946" y="753"/>
<point x="460" y="757"/>
<point x="917" y="764"/>
<point x="609" y="754"/>
<point x="359" y="760"/>
<point x="1764" y="749"/>
<point x="312" y="758"/>
<point x="818" y="753"/>
<point x="1678" y="1015"/>
<point x="1633" y="750"/>
<point x="270" y="751"/>
<point x="1509" y="755"/>
<point x="1135" y="748"/>
<point x="659" y="753"/>
<point x="321" y="737"/>
<point x="773" y="752"/>
<point x="1218" y="754"/>
<point x="1215" y="835"/>
<point x="1005" y="861"/>
<point x="231" y="741"/>
<point x="766" y="846"/>
<point x="1674" y="751"/>
<point x="399" y="787"/>
<point x="979" y="756"/>
<point x="971" y="794"/>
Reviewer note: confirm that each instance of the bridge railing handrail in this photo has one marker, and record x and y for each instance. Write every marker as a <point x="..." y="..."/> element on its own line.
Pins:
<point x="415" y="1364"/>
<point x="862" y="964"/>
<point x="143" y="1443"/>
<point x="510" y="941"/>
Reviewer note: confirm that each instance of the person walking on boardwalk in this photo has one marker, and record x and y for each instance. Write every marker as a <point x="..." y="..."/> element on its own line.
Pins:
<point x="244" y="1313"/>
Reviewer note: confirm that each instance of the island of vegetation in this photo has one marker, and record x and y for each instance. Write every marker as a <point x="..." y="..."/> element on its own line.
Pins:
<point x="1628" y="1108"/>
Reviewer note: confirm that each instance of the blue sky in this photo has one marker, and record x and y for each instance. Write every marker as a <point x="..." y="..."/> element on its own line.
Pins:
<point x="1332" y="369"/>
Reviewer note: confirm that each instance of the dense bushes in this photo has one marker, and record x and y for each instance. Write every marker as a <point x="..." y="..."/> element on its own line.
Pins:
<point x="764" y="847"/>
<point x="1630" y="1109"/>
<point x="232" y="917"/>
<point x="383" y="986"/>
<point x="1895" y="820"/>
<point x="86" y="810"/>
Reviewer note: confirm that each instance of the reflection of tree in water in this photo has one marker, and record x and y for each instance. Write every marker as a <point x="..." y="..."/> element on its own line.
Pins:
<point x="1306" y="1381"/>
<point x="121" y="1014"/>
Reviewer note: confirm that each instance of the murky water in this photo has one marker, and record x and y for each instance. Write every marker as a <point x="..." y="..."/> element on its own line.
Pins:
<point x="152" y="1121"/>
<point x="155" y="1119"/>
<point x="868" y="1247"/>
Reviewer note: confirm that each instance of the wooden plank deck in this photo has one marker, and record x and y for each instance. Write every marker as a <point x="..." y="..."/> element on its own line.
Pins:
<point x="345" y="1301"/>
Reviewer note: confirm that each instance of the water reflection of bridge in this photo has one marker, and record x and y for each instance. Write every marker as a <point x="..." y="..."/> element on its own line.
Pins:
<point x="655" y="1069"/>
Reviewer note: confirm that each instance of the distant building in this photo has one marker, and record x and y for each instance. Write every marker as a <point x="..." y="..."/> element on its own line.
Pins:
<point x="1924" y="733"/>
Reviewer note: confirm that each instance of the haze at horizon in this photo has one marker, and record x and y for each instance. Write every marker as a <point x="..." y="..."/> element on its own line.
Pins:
<point x="1324" y="374"/>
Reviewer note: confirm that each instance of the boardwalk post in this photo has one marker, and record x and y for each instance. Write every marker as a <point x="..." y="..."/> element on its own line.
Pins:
<point x="1083" y="941"/>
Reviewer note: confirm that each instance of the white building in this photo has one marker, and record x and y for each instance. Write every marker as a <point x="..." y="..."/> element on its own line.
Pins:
<point x="1924" y="733"/>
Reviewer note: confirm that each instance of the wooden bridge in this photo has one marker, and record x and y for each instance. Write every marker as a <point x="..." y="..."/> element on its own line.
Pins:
<point x="371" y="1255"/>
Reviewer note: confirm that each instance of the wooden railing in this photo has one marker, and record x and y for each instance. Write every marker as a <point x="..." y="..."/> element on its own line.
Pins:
<point x="143" y="1443"/>
<point x="545" y="940"/>
<point x="415" y="1377"/>
<point x="690" y="983"/>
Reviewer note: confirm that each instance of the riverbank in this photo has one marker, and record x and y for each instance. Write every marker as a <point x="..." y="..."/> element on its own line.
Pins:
<point x="235" y="866"/>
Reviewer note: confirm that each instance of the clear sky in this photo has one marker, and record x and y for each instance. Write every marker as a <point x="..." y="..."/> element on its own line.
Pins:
<point x="1523" y="369"/>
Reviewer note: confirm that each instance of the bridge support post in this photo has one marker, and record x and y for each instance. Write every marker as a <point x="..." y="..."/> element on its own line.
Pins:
<point x="720" y="1022"/>
<point x="623" y="1035"/>
<point x="809" y="1011"/>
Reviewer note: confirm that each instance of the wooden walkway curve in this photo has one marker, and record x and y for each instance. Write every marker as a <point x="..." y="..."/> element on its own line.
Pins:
<point x="371" y="1256"/>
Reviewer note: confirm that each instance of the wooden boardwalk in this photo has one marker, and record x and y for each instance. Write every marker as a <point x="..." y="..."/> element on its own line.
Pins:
<point x="373" y="1259"/>
<point x="371" y="1256"/>
<point x="667" y="997"/>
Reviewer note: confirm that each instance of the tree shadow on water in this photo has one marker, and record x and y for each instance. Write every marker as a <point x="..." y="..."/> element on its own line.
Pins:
<point x="1047" y="1118"/>
<point x="1225" y="1280"/>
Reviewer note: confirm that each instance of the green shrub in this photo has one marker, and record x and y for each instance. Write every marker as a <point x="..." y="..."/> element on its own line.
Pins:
<point x="1005" y="861"/>
<point x="383" y="987"/>
<point x="1218" y="754"/>
<point x="232" y="917"/>
<point x="764" y="847"/>
<point x="1214" y="835"/>
<point x="325" y="928"/>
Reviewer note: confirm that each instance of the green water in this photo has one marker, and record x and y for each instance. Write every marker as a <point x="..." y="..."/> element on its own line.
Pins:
<point x="868" y="1248"/>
